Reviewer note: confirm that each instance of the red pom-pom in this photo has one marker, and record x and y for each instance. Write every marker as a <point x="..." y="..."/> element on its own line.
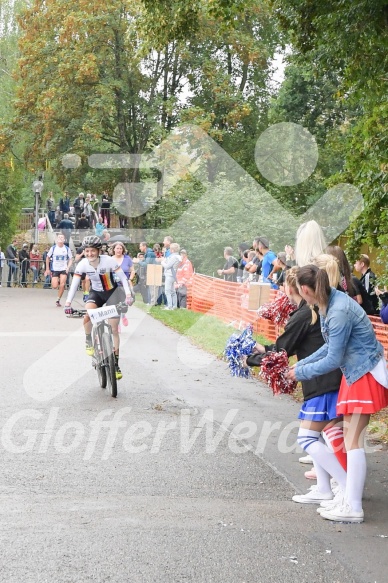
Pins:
<point x="277" y="311"/>
<point x="274" y="367"/>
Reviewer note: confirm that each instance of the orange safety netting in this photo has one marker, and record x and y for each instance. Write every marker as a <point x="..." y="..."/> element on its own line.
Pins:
<point x="229" y="302"/>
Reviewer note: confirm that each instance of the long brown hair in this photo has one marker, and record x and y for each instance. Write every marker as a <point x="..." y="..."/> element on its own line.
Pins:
<point x="292" y="282"/>
<point x="317" y="280"/>
<point x="345" y="269"/>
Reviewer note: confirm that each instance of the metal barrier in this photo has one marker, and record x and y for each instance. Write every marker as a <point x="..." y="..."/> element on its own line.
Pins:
<point x="22" y="274"/>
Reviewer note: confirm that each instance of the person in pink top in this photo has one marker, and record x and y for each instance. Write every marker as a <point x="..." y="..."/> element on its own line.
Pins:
<point x="184" y="274"/>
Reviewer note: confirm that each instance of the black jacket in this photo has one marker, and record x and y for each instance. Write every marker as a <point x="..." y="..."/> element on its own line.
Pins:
<point x="11" y="252"/>
<point x="302" y="338"/>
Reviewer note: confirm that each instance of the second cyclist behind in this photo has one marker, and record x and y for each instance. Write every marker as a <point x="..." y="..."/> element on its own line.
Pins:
<point x="103" y="271"/>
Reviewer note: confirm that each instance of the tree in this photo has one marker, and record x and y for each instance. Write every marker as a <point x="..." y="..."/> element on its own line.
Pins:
<point x="350" y="38"/>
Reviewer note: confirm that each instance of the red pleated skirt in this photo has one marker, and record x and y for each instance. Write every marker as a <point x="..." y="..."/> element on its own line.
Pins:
<point x="364" y="396"/>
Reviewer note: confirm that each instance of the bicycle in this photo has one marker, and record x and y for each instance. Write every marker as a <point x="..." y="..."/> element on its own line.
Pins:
<point x="103" y="359"/>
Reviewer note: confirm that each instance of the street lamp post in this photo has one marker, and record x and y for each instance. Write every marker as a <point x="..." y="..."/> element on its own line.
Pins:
<point x="37" y="187"/>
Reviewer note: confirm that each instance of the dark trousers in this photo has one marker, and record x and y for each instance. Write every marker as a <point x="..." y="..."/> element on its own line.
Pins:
<point x="12" y="269"/>
<point x="142" y="288"/>
<point x="24" y="268"/>
<point x="182" y="296"/>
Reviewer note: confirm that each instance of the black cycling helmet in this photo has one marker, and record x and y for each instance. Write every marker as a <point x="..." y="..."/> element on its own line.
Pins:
<point x="92" y="241"/>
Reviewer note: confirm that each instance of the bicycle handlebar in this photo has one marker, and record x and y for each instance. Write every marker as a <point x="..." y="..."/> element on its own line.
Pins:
<point x="121" y="308"/>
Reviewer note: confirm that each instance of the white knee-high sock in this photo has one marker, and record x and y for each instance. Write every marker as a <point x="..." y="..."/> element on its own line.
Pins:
<point x="322" y="456"/>
<point x="356" y="478"/>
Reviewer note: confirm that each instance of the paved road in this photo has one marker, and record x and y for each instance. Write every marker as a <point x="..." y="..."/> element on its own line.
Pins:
<point x="180" y="479"/>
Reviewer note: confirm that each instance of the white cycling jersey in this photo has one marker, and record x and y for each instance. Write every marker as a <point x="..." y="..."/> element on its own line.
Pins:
<point x="102" y="278"/>
<point x="60" y="257"/>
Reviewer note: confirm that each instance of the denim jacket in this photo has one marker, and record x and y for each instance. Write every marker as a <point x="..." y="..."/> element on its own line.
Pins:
<point x="350" y="342"/>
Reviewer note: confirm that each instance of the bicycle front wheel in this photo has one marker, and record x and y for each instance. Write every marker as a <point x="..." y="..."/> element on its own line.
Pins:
<point x="109" y="363"/>
<point x="99" y="363"/>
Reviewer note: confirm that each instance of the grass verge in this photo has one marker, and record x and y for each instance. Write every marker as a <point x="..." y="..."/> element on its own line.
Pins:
<point x="207" y="332"/>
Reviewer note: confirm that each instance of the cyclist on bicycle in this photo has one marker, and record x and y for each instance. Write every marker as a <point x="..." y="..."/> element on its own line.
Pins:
<point x="103" y="273"/>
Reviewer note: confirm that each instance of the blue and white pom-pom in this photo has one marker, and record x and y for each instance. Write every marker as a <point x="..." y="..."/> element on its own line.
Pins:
<point x="238" y="346"/>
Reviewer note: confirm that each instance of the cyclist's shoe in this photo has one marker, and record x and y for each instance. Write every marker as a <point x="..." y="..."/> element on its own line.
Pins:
<point x="89" y="348"/>
<point x="119" y="374"/>
<point x="124" y="320"/>
<point x="85" y="298"/>
<point x="58" y="303"/>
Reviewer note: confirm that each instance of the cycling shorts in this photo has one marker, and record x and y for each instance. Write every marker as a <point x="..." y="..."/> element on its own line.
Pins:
<point x="110" y="297"/>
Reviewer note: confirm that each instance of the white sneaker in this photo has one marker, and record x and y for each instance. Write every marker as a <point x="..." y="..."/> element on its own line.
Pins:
<point x="343" y="513"/>
<point x="338" y="500"/>
<point x="307" y="459"/>
<point x="312" y="497"/>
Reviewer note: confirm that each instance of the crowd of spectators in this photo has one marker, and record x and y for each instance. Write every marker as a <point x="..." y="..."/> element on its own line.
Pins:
<point x="85" y="211"/>
<point x="258" y="262"/>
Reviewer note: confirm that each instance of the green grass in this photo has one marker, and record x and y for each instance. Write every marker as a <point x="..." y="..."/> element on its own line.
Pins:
<point x="207" y="332"/>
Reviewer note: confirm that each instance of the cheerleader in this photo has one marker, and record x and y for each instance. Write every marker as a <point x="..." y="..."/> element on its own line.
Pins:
<point x="302" y="337"/>
<point x="351" y="345"/>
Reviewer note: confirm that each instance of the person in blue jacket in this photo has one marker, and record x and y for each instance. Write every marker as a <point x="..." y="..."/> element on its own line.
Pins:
<point x="351" y="345"/>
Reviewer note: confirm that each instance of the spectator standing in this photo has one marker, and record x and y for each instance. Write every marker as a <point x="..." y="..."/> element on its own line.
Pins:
<point x="100" y="227"/>
<point x="184" y="274"/>
<point x="290" y="255"/>
<point x="2" y="263"/>
<point x="35" y="259"/>
<point x="120" y="254"/>
<point x="24" y="262"/>
<point x="149" y="259"/>
<point x="66" y="226"/>
<point x="58" y="217"/>
<point x="105" y="236"/>
<point x="170" y="265"/>
<point x="88" y="211"/>
<point x="83" y="222"/>
<point x="368" y="281"/>
<point x="105" y="210"/>
<point x="268" y="262"/>
<point x="242" y="261"/>
<point x="280" y="268"/>
<point x="310" y="242"/>
<point x="141" y="270"/>
<point x="229" y="271"/>
<point x="166" y="246"/>
<point x="78" y="208"/>
<point x="11" y="254"/>
<point x="95" y="206"/>
<point x="64" y="204"/>
<point x="47" y="280"/>
<point x="350" y="344"/>
<point x="50" y="207"/>
<point x="383" y="295"/>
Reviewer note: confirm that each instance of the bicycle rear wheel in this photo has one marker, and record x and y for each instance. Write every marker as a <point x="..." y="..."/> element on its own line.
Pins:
<point x="99" y="363"/>
<point x="109" y="363"/>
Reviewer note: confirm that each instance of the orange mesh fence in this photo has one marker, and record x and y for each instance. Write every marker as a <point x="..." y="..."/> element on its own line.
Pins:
<point x="381" y="330"/>
<point x="229" y="302"/>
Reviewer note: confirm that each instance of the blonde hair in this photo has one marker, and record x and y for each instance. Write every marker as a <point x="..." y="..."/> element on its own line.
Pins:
<point x="330" y="264"/>
<point x="310" y="242"/>
<point x="292" y="282"/>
